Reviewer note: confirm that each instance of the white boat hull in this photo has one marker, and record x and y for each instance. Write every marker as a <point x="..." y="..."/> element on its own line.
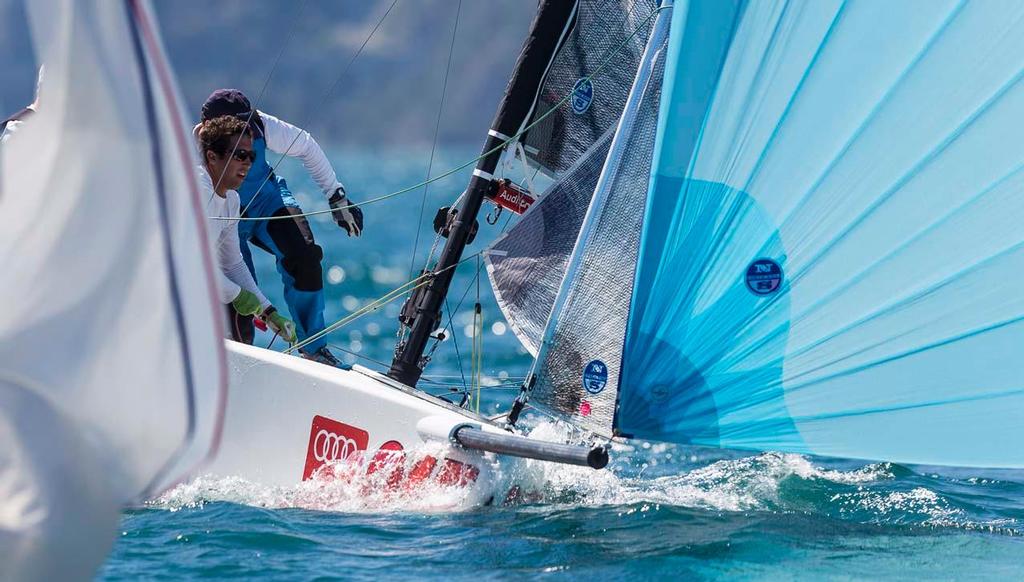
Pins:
<point x="286" y="417"/>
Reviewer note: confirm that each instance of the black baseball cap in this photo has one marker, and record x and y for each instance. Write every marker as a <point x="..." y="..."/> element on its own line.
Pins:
<point x="226" y="102"/>
<point x="231" y="102"/>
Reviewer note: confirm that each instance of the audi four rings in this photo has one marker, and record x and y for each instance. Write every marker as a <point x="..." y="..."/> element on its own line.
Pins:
<point x="328" y="446"/>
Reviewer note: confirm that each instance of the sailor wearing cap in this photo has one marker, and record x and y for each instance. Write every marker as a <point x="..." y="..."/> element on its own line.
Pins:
<point x="290" y="240"/>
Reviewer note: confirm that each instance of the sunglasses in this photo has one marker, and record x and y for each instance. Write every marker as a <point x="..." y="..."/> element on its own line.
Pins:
<point x="243" y="155"/>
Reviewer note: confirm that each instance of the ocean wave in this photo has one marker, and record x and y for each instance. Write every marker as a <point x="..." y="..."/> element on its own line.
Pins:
<point x="875" y="493"/>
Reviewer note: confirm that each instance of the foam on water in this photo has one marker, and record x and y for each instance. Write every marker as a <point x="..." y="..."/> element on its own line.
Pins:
<point x="768" y="482"/>
<point x="343" y="487"/>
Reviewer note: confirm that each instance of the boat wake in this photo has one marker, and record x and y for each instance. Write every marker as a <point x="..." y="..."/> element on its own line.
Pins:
<point x="644" y="478"/>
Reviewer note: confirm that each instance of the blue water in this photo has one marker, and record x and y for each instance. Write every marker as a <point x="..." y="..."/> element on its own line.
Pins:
<point x="658" y="512"/>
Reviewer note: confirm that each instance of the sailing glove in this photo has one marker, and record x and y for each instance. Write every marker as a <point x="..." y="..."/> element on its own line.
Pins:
<point x="246" y="303"/>
<point x="348" y="217"/>
<point x="279" y="324"/>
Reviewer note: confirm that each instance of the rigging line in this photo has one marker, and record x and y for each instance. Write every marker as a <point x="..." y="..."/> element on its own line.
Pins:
<point x="450" y="327"/>
<point x="454" y="388"/>
<point x="263" y="90"/>
<point x="511" y="380"/>
<point x="565" y="99"/>
<point x="508" y="384"/>
<point x="395" y="293"/>
<point x="369" y="307"/>
<point x="498" y="386"/>
<point x="474" y="369"/>
<point x="433" y="146"/>
<point x="323" y="102"/>
<point x="358" y="355"/>
<point x="430" y="168"/>
<point x="494" y="382"/>
<point x="455" y="342"/>
<point x="402" y="330"/>
<point x="479" y="331"/>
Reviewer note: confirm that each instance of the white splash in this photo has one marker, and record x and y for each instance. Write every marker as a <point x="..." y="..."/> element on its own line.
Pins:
<point x="744" y="484"/>
<point x="344" y="487"/>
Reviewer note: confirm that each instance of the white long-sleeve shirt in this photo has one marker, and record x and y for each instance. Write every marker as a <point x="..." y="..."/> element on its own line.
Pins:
<point x="234" y="274"/>
<point x="285" y="138"/>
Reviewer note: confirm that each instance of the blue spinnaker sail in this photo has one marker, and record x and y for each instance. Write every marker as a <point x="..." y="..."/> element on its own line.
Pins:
<point x="832" y="260"/>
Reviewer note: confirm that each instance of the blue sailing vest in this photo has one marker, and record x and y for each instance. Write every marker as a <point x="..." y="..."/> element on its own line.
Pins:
<point x="274" y="192"/>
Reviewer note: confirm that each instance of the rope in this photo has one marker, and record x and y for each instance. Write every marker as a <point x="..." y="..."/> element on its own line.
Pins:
<point x="473" y="161"/>
<point x="433" y="145"/>
<point x="358" y="355"/>
<point x="273" y="339"/>
<point x="478" y="339"/>
<point x="320" y="107"/>
<point x="456" y="389"/>
<point x="375" y="304"/>
<point x="455" y="342"/>
<point x="368" y="308"/>
<point x="510" y="380"/>
<point x="450" y="327"/>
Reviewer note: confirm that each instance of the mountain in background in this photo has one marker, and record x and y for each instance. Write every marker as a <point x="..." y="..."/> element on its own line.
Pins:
<point x="388" y="97"/>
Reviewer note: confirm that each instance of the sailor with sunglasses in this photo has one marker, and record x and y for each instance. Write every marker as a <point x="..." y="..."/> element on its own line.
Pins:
<point x="225" y="144"/>
<point x="289" y="238"/>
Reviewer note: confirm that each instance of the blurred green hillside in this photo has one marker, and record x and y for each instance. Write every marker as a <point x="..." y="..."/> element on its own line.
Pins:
<point x="389" y="96"/>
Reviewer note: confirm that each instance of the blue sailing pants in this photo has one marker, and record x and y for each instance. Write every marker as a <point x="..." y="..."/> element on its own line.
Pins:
<point x="298" y="258"/>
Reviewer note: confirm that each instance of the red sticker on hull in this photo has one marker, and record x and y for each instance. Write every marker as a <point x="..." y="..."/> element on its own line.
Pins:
<point x="330" y="440"/>
<point x="389" y="457"/>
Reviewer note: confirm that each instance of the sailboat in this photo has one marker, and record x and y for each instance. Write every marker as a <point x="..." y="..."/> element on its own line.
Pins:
<point x="778" y="225"/>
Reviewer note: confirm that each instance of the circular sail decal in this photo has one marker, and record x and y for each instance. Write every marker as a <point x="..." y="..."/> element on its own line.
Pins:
<point x="595" y="376"/>
<point x="582" y="96"/>
<point x="764" y="277"/>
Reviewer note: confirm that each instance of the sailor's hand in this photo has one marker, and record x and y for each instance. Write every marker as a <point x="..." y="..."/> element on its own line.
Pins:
<point x="246" y="303"/>
<point x="348" y="217"/>
<point x="279" y="324"/>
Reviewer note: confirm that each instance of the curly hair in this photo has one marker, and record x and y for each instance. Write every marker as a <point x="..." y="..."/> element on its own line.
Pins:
<point x="218" y="135"/>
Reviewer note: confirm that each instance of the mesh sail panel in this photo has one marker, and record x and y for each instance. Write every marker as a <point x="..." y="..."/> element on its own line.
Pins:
<point x="577" y="372"/>
<point x="562" y="138"/>
<point x="527" y="264"/>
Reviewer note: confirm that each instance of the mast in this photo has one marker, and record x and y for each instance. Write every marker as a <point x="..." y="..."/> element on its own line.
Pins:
<point x="553" y="18"/>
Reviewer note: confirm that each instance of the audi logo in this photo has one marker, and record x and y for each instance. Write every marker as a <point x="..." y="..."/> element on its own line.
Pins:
<point x="328" y="446"/>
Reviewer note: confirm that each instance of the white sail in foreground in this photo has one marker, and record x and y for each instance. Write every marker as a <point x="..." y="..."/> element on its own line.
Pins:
<point x="111" y="366"/>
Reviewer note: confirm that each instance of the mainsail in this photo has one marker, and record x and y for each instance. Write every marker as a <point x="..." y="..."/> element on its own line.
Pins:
<point x="569" y="141"/>
<point x="526" y="265"/>
<point x="587" y="325"/>
<point x="832" y="258"/>
<point x="596" y="63"/>
<point x="112" y="373"/>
